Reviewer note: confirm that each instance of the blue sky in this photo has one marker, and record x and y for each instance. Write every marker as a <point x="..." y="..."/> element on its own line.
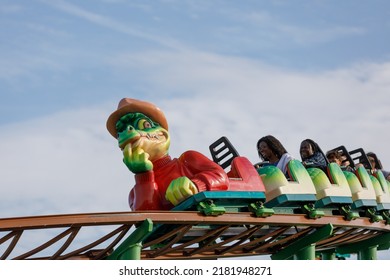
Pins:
<point x="60" y="55"/>
<point x="244" y="69"/>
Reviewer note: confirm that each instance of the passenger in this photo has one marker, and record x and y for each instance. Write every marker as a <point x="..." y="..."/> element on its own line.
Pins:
<point x="311" y="155"/>
<point x="373" y="160"/>
<point x="334" y="156"/>
<point x="271" y="150"/>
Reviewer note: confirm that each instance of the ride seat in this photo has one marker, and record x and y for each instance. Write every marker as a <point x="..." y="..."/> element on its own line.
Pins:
<point x="331" y="189"/>
<point x="241" y="173"/>
<point x="382" y="190"/>
<point x="280" y="191"/>
<point x="362" y="190"/>
<point x="244" y="177"/>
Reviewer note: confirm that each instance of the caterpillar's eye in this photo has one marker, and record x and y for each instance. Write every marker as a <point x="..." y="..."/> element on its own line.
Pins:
<point x="144" y="124"/>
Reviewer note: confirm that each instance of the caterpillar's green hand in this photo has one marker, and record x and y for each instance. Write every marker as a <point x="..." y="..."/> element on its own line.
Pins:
<point x="180" y="189"/>
<point x="136" y="159"/>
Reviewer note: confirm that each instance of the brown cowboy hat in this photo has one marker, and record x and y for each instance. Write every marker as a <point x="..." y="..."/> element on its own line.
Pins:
<point x="129" y="105"/>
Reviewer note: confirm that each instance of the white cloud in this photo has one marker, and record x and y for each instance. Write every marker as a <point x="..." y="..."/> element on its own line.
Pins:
<point x="67" y="162"/>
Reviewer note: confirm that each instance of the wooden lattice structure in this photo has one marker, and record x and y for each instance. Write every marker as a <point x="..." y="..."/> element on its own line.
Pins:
<point x="188" y="235"/>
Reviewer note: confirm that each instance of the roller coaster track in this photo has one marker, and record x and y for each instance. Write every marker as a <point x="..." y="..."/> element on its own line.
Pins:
<point x="187" y="235"/>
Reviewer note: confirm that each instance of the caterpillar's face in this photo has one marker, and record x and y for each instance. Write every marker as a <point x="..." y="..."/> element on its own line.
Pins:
<point x="138" y="130"/>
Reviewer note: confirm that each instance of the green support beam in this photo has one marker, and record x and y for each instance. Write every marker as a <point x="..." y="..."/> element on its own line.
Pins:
<point x="369" y="253"/>
<point x="307" y="253"/>
<point x="130" y="249"/>
<point x="366" y="249"/>
<point x="304" y="248"/>
<point x="384" y="246"/>
<point x="328" y="255"/>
